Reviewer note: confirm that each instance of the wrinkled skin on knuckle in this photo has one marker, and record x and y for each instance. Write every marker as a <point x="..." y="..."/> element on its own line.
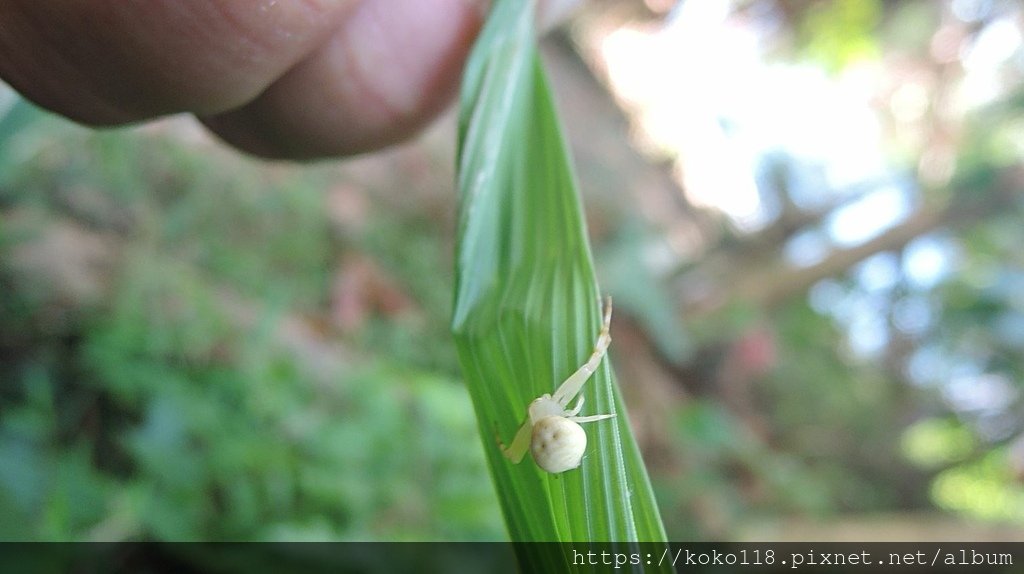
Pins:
<point x="388" y="70"/>
<point x="105" y="63"/>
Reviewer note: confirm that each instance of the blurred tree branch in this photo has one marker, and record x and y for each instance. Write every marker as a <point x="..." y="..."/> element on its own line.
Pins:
<point x="773" y="282"/>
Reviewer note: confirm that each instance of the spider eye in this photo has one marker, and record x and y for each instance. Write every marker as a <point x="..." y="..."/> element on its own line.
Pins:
<point x="558" y="444"/>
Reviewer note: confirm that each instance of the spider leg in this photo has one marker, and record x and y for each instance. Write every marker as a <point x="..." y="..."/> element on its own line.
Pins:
<point x="520" y="444"/>
<point x="571" y="387"/>
<point x="577" y="408"/>
<point x="591" y="418"/>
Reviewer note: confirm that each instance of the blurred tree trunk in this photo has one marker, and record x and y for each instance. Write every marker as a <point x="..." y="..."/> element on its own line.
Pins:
<point x="773" y="282"/>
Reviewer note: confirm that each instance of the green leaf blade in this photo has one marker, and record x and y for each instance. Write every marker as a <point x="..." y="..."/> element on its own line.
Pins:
<point x="527" y="306"/>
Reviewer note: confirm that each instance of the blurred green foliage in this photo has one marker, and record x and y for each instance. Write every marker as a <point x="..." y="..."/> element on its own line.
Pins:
<point x="839" y="33"/>
<point x="169" y="409"/>
<point x="936" y="442"/>
<point x="982" y="488"/>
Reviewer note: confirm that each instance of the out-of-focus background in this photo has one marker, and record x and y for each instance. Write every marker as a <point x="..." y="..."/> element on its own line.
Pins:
<point x="809" y="214"/>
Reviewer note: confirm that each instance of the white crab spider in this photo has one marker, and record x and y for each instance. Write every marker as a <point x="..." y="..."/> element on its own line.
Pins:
<point x="551" y="431"/>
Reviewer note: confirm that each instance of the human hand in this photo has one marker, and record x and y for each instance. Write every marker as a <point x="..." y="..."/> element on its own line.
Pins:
<point x="276" y="78"/>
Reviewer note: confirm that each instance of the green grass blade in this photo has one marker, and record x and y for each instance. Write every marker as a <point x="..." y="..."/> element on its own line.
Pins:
<point x="527" y="308"/>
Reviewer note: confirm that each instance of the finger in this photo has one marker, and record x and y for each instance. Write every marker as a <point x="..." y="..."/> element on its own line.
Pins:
<point x="113" y="62"/>
<point x="388" y="69"/>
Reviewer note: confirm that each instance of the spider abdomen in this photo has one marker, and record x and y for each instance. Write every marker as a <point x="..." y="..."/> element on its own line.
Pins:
<point x="557" y="444"/>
